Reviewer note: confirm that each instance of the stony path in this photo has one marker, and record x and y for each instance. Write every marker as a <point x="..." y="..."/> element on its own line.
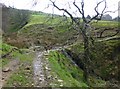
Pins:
<point x="42" y="76"/>
<point x="39" y="73"/>
<point x="42" y="70"/>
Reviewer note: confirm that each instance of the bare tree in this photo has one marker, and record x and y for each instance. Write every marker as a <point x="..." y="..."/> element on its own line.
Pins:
<point x="83" y="27"/>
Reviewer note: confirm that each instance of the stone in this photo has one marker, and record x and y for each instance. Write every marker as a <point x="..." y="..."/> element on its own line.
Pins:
<point x="61" y="85"/>
<point x="46" y="68"/>
<point x="56" y="77"/>
<point x="14" y="84"/>
<point x="46" y="54"/>
<point x="27" y="68"/>
<point x="7" y="69"/>
<point x="60" y="80"/>
<point x="32" y="84"/>
<point x="49" y="77"/>
<point x="41" y="75"/>
<point x="53" y="84"/>
<point x="3" y="78"/>
<point x="46" y="58"/>
<point x="40" y="79"/>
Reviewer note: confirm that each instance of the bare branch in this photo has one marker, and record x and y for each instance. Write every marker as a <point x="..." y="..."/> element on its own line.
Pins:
<point x="83" y="15"/>
<point x="69" y="5"/>
<point x="110" y="11"/>
<point x="98" y="15"/>
<point x="82" y="9"/>
<point x="77" y="7"/>
<point x="62" y="9"/>
<point x="104" y="7"/>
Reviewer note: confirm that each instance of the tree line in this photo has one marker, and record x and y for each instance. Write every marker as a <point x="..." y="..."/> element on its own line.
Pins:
<point x="13" y="19"/>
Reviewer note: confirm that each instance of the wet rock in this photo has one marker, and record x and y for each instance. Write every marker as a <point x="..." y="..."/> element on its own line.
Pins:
<point x="7" y="69"/>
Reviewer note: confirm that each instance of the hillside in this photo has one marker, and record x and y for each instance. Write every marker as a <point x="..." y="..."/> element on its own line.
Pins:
<point x="46" y="52"/>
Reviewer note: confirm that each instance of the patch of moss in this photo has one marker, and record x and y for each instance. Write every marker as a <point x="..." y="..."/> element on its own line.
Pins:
<point x="5" y="49"/>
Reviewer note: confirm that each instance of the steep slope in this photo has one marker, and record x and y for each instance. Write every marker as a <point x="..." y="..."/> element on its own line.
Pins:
<point x="16" y="66"/>
<point x="70" y="74"/>
<point x="36" y="32"/>
<point x="105" y="58"/>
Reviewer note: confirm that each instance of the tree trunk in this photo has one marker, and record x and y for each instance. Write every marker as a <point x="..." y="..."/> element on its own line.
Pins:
<point x="86" y="55"/>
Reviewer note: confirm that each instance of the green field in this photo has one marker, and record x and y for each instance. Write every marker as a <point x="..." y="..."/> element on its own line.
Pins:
<point x="46" y="19"/>
<point x="110" y="24"/>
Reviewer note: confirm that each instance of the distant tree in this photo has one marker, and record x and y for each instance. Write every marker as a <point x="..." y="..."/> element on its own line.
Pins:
<point x="18" y="18"/>
<point x="13" y="19"/>
<point x="88" y="17"/>
<point x="4" y="17"/>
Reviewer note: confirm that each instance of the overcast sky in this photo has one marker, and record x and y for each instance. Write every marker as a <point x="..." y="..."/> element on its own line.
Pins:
<point x="42" y="5"/>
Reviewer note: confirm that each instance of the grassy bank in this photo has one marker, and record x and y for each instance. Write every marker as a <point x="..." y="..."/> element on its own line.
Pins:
<point x="24" y="75"/>
<point x="67" y="71"/>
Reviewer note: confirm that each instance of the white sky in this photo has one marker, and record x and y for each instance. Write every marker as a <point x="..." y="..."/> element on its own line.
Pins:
<point x="42" y="4"/>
